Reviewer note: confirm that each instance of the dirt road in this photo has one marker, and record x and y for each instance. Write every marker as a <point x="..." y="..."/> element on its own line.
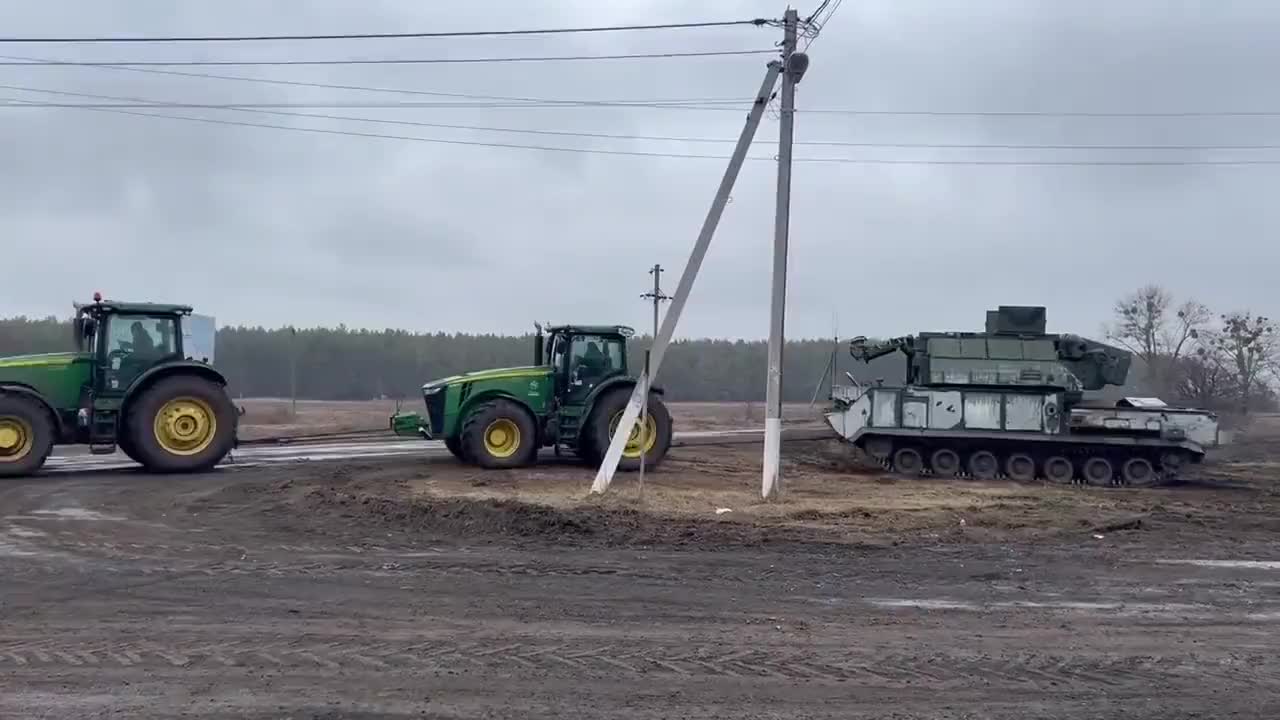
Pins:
<point x="274" y="593"/>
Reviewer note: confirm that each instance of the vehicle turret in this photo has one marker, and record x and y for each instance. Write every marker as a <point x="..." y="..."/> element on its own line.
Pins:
<point x="1013" y="351"/>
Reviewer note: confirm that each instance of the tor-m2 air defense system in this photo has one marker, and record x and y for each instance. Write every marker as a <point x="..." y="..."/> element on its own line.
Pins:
<point x="1011" y="402"/>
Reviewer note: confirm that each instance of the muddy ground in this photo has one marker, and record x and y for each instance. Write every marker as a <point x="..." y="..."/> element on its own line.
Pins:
<point x="411" y="588"/>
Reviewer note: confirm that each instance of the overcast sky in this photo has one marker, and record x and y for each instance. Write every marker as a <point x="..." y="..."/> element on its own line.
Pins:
<point x="269" y="226"/>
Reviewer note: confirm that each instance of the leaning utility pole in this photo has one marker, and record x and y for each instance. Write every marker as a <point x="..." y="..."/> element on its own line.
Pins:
<point x="794" y="64"/>
<point x="627" y="423"/>
<point x="657" y="296"/>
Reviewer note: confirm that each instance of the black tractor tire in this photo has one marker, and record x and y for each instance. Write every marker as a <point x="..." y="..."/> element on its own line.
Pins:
<point x="34" y="431"/>
<point x="454" y="446"/>
<point x="146" y="447"/>
<point x="504" y="450"/>
<point x="614" y="403"/>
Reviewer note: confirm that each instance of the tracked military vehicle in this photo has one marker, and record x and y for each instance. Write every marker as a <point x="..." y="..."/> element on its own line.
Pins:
<point x="1013" y="401"/>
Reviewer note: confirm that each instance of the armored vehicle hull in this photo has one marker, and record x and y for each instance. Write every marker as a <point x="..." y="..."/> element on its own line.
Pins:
<point x="1024" y="436"/>
<point x="1009" y="402"/>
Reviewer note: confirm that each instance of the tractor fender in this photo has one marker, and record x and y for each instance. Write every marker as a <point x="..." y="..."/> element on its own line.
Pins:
<point x="30" y="392"/>
<point x="609" y="385"/>
<point x="159" y="372"/>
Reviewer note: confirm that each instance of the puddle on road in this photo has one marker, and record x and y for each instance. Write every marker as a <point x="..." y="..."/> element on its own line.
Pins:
<point x="1231" y="564"/>
<point x="1111" y="608"/>
<point x="72" y="513"/>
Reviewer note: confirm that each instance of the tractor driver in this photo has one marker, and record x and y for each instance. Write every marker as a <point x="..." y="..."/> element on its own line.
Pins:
<point x="142" y="343"/>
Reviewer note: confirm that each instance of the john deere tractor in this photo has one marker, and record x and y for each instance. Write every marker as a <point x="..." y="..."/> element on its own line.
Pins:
<point x="139" y="379"/>
<point x="572" y="398"/>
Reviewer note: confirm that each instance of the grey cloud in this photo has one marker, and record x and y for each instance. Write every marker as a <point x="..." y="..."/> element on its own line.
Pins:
<point x="271" y="226"/>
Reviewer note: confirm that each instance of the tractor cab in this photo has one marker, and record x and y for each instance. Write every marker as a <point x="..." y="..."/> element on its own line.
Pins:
<point x="126" y="340"/>
<point x="582" y="357"/>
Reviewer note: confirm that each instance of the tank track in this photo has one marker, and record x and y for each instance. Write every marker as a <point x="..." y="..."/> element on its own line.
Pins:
<point x="1060" y="464"/>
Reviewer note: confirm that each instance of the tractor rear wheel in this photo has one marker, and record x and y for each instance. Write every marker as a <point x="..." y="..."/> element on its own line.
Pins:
<point x="499" y="434"/>
<point x="26" y="436"/>
<point x="181" y="424"/>
<point x="650" y="437"/>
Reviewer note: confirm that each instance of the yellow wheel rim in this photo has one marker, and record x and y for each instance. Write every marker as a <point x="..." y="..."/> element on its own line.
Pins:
<point x="185" y="426"/>
<point x="16" y="438"/>
<point x="644" y="435"/>
<point x="502" y="438"/>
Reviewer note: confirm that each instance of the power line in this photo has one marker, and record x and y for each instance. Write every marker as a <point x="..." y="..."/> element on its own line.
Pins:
<point x="758" y="22"/>
<point x="271" y="109"/>
<point x="356" y="105"/>
<point x="395" y="61"/>
<point x="694" y="104"/>
<point x="638" y="153"/>
<point x="264" y="108"/>
<point x="547" y="102"/>
<point x="1043" y="113"/>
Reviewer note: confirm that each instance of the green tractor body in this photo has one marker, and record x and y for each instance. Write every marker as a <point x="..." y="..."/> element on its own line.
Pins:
<point x="140" y="379"/>
<point x="571" y="397"/>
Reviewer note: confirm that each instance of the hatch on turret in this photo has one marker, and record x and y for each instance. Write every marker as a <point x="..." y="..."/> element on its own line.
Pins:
<point x="1016" y="320"/>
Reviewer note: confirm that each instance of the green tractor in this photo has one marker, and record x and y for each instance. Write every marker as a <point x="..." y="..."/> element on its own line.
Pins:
<point x="572" y="397"/>
<point x="140" y="379"/>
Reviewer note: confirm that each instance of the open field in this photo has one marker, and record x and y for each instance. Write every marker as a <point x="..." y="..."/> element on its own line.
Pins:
<point x="415" y="587"/>
<point x="271" y="417"/>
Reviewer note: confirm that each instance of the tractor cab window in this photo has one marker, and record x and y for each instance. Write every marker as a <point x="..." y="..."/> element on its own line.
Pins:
<point x="140" y="335"/>
<point x="593" y="358"/>
<point x="134" y="343"/>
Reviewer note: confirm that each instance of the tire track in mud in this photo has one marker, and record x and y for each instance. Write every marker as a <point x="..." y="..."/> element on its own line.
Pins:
<point x="1045" y="672"/>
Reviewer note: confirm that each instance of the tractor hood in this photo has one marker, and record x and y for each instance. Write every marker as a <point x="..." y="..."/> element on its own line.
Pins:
<point x="43" y="360"/>
<point x="495" y="374"/>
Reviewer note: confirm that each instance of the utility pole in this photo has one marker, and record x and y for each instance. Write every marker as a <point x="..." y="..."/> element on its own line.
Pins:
<point x="657" y="296"/>
<point x="629" y="416"/>
<point x="293" y="373"/>
<point x="794" y="65"/>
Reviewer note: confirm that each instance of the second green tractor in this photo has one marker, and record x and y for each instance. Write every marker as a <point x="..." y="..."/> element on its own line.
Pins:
<point x="571" y="398"/>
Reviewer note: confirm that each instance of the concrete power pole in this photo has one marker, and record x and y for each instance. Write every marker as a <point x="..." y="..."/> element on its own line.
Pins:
<point x="657" y="296"/>
<point x="794" y="65"/>
<point x="608" y="466"/>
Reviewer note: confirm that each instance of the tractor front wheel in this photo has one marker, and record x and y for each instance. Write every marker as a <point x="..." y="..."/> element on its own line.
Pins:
<point x="499" y="434"/>
<point x="181" y="424"/>
<point x="650" y="437"/>
<point x="454" y="446"/>
<point x="26" y="436"/>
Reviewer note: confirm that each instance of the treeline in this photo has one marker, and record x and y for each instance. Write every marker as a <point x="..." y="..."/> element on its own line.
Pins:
<point x="1184" y="353"/>
<point x="348" y="364"/>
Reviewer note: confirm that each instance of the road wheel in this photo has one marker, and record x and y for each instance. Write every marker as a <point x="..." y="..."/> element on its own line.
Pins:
<point x="651" y="435"/>
<point x="1138" y="472"/>
<point x="1171" y="462"/>
<point x="1020" y="467"/>
<point x="907" y="461"/>
<point x="26" y="436"/>
<point x="499" y="434"/>
<point x="983" y="465"/>
<point x="945" y="462"/>
<point x="182" y="423"/>
<point x="1098" y="471"/>
<point x="1059" y="470"/>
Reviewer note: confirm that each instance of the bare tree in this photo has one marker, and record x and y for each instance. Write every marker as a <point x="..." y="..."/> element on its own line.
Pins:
<point x="1250" y="348"/>
<point x="1145" y="327"/>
